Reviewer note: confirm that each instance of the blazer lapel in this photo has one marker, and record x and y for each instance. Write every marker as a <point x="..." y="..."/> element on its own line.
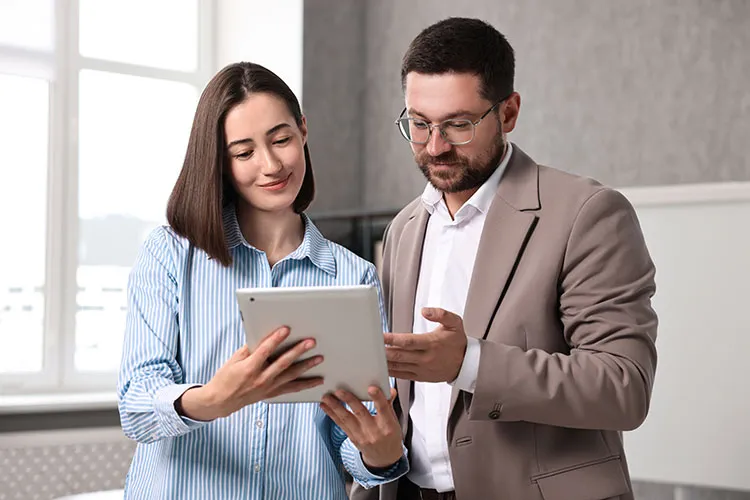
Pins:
<point x="507" y="230"/>
<point x="405" y="275"/>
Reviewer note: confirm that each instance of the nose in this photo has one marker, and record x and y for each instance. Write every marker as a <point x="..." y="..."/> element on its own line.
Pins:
<point x="436" y="145"/>
<point x="271" y="163"/>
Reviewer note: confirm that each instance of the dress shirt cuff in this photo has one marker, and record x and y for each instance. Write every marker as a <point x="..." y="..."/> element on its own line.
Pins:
<point x="352" y="459"/>
<point x="467" y="377"/>
<point x="172" y="422"/>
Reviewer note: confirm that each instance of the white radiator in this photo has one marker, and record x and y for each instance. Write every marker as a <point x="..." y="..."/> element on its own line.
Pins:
<point x="45" y="465"/>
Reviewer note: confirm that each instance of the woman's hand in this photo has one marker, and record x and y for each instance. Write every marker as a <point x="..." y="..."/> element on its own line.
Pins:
<point x="377" y="437"/>
<point x="248" y="377"/>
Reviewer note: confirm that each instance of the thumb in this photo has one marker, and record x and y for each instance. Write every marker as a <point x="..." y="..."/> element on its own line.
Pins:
<point x="446" y="318"/>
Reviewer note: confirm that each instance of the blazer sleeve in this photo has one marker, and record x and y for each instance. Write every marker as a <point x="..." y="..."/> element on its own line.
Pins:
<point x="605" y="381"/>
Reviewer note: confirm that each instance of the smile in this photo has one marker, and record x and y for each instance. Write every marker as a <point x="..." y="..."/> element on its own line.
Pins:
<point x="277" y="185"/>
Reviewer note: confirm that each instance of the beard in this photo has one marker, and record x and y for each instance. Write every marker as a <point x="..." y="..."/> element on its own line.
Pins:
<point x="457" y="173"/>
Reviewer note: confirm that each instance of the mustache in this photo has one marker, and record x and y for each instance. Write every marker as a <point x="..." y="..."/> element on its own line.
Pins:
<point x="447" y="157"/>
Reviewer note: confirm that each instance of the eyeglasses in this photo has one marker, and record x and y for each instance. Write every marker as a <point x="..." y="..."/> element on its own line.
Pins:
<point x="455" y="131"/>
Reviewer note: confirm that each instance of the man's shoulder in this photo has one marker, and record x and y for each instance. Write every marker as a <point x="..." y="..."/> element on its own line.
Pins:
<point x="559" y="183"/>
<point x="405" y="215"/>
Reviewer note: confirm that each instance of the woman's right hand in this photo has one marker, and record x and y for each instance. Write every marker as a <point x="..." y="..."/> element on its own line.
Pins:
<point x="248" y="377"/>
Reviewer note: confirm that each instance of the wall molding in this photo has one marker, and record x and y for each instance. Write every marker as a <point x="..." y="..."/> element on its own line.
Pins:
<point x="676" y="194"/>
<point x="62" y="437"/>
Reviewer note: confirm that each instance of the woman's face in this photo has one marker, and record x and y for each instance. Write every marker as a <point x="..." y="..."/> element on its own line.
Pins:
<point x="266" y="152"/>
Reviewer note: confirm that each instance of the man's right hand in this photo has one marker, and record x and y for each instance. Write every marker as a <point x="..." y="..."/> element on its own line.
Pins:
<point x="249" y="377"/>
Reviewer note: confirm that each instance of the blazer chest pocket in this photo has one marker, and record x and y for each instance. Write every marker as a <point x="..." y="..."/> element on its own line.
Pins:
<point x="598" y="480"/>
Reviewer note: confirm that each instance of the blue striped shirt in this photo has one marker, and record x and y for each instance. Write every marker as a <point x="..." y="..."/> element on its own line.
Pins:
<point x="183" y="323"/>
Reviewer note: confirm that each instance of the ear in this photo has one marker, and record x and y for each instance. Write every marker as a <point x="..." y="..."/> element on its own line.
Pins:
<point x="303" y="129"/>
<point x="510" y="110"/>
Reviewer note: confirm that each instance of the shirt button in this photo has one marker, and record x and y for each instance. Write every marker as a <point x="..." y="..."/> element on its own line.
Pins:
<point x="494" y="415"/>
<point x="257" y="468"/>
<point x="258" y="424"/>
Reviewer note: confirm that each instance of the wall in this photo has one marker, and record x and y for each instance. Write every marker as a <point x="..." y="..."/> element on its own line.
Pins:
<point x="267" y="33"/>
<point x="644" y="92"/>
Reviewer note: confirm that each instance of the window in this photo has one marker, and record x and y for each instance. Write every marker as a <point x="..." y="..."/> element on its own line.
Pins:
<point x="96" y="102"/>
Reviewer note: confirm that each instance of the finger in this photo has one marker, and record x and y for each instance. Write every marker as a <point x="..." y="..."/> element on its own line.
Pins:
<point x="402" y="367"/>
<point x="287" y="359"/>
<point x="268" y="345"/>
<point x="446" y="318"/>
<point x="404" y="356"/>
<point x="344" y="418"/>
<point x="403" y="375"/>
<point x="240" y="354"/>
<point x="362" y="413"/>
<point x="295" y="386"/>
<point x="406" y="340"/>
<point x="296" y="371"/>
<point x="328" y="408"/>
<point x="382" y="406"/>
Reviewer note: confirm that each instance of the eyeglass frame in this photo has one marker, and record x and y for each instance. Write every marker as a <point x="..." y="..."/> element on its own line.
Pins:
<point x="430" y="126"/>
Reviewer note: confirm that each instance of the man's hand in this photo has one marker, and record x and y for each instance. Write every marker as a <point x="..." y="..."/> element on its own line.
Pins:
<point x="428" y="357"/>
<point x="377" y="437"/>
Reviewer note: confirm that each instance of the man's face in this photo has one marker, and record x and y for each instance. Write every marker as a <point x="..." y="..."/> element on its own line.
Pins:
<point x="436" y="98"/>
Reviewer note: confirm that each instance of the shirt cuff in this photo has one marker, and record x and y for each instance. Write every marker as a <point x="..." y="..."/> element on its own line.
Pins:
<point x="173" y="423"/>
<point x="467" y="377"/>
<point x="352" y="459"/>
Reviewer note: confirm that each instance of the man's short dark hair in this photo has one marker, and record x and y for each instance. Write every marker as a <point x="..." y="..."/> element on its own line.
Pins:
<point x="463" y="45"/>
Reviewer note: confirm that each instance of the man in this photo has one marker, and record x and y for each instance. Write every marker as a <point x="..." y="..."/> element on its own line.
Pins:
<point x="528" y="291"/>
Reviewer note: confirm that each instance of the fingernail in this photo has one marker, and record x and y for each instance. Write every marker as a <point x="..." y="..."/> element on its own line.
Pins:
<point x="310" y="344"/>
<point x="284" y="332"/>
<point x="318" y="360"/>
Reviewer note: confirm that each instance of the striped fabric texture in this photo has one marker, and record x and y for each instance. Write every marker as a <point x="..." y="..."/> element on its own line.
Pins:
<point x="183" y="323"/>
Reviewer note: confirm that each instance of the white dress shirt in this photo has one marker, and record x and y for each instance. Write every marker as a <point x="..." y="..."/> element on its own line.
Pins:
<point x="449" y="251"/>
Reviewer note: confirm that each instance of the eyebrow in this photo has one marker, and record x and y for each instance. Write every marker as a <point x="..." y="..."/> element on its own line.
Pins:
<point x="270" y="131"/>
<point x="449" y="116"/>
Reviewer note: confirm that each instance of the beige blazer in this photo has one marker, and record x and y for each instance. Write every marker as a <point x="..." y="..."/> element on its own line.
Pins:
<point x="560" y="299"/>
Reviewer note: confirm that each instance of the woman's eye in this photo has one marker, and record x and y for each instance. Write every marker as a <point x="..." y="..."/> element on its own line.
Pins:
<point x="244" y="156"/>
<point x="282" y="141"/>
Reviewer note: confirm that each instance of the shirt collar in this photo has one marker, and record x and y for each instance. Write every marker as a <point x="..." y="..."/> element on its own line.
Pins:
<point x="314" y="245"/>
<point x="481" y="200"/>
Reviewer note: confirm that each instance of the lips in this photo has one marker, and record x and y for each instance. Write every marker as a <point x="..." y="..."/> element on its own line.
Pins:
<point x="276" y="185"/>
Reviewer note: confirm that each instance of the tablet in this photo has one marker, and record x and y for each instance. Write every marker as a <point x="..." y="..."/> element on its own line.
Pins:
<point x="345" y="323"/>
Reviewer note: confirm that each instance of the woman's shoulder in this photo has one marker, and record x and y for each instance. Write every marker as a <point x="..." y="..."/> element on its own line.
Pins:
<point x="348" y="259"/>
<point x="163" y="241"/>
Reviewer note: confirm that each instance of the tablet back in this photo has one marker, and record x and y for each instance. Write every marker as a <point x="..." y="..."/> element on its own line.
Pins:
<point x="347" y="327"/>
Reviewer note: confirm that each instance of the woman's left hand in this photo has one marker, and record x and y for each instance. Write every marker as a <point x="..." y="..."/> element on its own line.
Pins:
<point x="377" y="437"/>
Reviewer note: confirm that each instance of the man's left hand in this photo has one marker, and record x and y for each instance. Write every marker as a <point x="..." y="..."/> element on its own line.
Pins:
<point x="428" y="357"/>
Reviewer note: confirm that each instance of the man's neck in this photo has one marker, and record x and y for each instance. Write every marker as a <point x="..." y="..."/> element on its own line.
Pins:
<point x="454" y="201"/>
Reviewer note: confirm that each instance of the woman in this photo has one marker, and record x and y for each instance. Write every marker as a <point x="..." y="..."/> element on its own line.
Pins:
<point x="190" y="392"/>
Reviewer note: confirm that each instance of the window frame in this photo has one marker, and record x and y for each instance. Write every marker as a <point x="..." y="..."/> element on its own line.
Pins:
<point x="61" y="68"/>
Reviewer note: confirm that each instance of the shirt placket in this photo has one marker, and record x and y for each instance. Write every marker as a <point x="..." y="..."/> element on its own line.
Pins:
<point x="433" y="392"/>
<point x="259" y="441"/>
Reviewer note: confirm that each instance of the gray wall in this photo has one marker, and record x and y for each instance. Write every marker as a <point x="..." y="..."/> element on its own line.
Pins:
<point x="632" y="93"/>
<point x="332" y="95"/>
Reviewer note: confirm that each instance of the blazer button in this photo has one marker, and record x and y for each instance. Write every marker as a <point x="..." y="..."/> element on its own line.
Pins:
<point x="494" y="415"/>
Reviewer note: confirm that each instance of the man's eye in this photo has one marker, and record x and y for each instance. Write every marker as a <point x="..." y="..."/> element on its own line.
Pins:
<point x="458" y="125"/>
